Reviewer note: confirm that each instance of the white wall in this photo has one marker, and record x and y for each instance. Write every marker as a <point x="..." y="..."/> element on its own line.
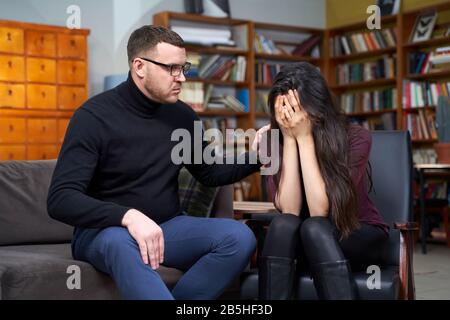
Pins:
<point x="112" y="21"/>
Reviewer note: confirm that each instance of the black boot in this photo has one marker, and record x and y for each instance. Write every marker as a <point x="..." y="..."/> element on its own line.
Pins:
<point x="334" y="281"/>
<point x="276" y="278"/>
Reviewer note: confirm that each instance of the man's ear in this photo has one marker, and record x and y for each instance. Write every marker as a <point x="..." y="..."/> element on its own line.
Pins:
<point x="138" y="66"/>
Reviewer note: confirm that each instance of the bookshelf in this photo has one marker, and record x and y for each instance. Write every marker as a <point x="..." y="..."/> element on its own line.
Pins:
<point x="386" y="51"/>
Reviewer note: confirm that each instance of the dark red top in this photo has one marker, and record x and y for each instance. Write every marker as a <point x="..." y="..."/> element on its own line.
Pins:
<point x="360" y="141"/>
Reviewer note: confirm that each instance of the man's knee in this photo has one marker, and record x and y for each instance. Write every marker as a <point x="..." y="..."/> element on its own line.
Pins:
<point x="240" y="236"/>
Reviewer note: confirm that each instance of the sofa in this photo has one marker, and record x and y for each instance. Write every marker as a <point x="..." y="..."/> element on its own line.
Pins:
<point x="35" y="252"/>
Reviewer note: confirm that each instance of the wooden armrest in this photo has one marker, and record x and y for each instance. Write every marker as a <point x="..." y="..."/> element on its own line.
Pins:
<point x="408" y="226"/>
<point x="407" y="286"/>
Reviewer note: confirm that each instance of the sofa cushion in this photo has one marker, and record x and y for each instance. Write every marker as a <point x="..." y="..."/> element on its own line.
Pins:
<point x="23" y="204"/>
<point x="41" y="272"/>
<point x="195" y="198"/>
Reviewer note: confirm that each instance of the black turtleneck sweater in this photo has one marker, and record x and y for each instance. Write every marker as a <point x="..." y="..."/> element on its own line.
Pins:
<point x="116" y="156"/>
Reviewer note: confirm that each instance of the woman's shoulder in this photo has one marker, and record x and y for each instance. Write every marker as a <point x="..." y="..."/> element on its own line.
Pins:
<point x="359" y="137"/>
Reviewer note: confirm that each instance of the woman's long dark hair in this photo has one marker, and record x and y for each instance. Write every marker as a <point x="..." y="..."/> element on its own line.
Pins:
<point x="330" y="130"/>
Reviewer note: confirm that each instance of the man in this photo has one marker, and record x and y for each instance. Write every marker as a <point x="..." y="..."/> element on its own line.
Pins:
<point x="116" y="183"/>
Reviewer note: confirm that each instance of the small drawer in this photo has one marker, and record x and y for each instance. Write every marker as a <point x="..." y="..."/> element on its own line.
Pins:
<point x="12" y="68"/>
<point x="42" y="152"/>
<point x="41" y="43"/>
<point x="70" y="98"/>
<point x="11" y="40"/>
<point x="12" y="95"/>
<point x="12" y="130"/>
<point x="71" y="46"/>
<point x="62" y="128"/>
<point x="41" y="70"/>
<point x="41" y="96"/>
<point x="71" y="72"/>
<point x="12" y="152"/>
<point x="42" y="130"/>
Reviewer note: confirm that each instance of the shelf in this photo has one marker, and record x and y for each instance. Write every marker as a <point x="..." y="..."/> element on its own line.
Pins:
<point x="364" y="54"/>
<point x="416" y="109"/>
<point x="428" y="43"/>
<point x="370" y="113"/>
<point x="262" y="115"/>
<point x="362" y="25"/>
<point x="220" y="82"/>
<point x="431" y="75"/>
<point x="288" y="57"/>
<point x="286" y="28"/>
<point x="221" y="113"/>
<point x="263" y="86"/>
<point x="212" y="50"/>
<point x="424" y="141"/>
<point x="202" y="19"/>
<point x="366" y="84"/>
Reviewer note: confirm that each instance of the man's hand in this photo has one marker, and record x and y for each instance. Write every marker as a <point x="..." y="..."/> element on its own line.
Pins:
<point x="260" y="142"/>
<point x="148" y="236"/>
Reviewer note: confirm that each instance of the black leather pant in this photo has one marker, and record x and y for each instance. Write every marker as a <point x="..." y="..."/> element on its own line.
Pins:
<point x="316" y="244"/>
<point x="316" y="240"/>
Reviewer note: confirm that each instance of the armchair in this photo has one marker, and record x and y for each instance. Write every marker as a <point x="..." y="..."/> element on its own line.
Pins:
<point x="391" y="165"/>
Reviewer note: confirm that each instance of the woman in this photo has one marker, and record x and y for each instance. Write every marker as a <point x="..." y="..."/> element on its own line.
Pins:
<point x="328" y="221"/>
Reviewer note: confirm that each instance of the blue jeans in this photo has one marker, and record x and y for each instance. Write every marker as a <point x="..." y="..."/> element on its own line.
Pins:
<point x="211" y="251"/>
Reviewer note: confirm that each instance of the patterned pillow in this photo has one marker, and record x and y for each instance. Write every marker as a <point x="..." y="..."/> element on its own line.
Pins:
<point x="195" y="199"/>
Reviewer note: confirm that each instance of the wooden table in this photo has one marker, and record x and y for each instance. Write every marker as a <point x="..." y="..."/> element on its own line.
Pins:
<point x="241" y="207"/>
<point x="422" y="169"/>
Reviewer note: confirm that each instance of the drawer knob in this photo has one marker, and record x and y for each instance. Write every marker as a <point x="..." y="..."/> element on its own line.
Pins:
<point x="43" y="67"/>
<point x="72" y="43"/>
<point x="42" y="39"/>
<point x="10" y="92"/>
<point x="11" y="128"/>
<point x="43" y="94"/>
<point x="44" y="129"/>
<point x="74" y="96"/>
<point x="74" y="69"/>
<point x="11" y="156"/>
<point x="10" y="64"/>
<point x="44" y="156"/>
<point x="8" y="35"/>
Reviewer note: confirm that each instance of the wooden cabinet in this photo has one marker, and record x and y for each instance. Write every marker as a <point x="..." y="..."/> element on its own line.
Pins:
<point x="43" y="79"/>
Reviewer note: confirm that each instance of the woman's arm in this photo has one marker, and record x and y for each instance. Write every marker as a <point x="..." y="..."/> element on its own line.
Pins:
<point x="315" y="190"/>
<point x="289" y="196"/>
<point x="313" y="182"/>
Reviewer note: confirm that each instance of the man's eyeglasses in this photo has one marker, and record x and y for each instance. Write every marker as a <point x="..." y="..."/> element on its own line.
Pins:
<point x="175" y="69"/>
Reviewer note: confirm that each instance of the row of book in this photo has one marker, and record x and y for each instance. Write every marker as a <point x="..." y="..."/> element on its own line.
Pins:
<point x="308" y="47"/>
<point x="421" y="125"/>
<point x="218" y="67"/>
<point x="425" y="62"/>
<point x="368" y="101"/>
<point x="383" y="68"/>
<point x="362" y="42"/>
<point x="200" y="98"/>
<point x="423" y="93"/>
<point x="265" y="72"/>
<point x="386" y="121"/>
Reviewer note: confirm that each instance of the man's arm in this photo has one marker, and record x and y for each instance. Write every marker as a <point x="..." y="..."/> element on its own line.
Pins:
<point x="219" y="174"/>
<point x="68" y="200"/>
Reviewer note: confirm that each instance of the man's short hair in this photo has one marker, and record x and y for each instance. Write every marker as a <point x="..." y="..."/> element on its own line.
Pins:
<point x="147" y="37"/>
